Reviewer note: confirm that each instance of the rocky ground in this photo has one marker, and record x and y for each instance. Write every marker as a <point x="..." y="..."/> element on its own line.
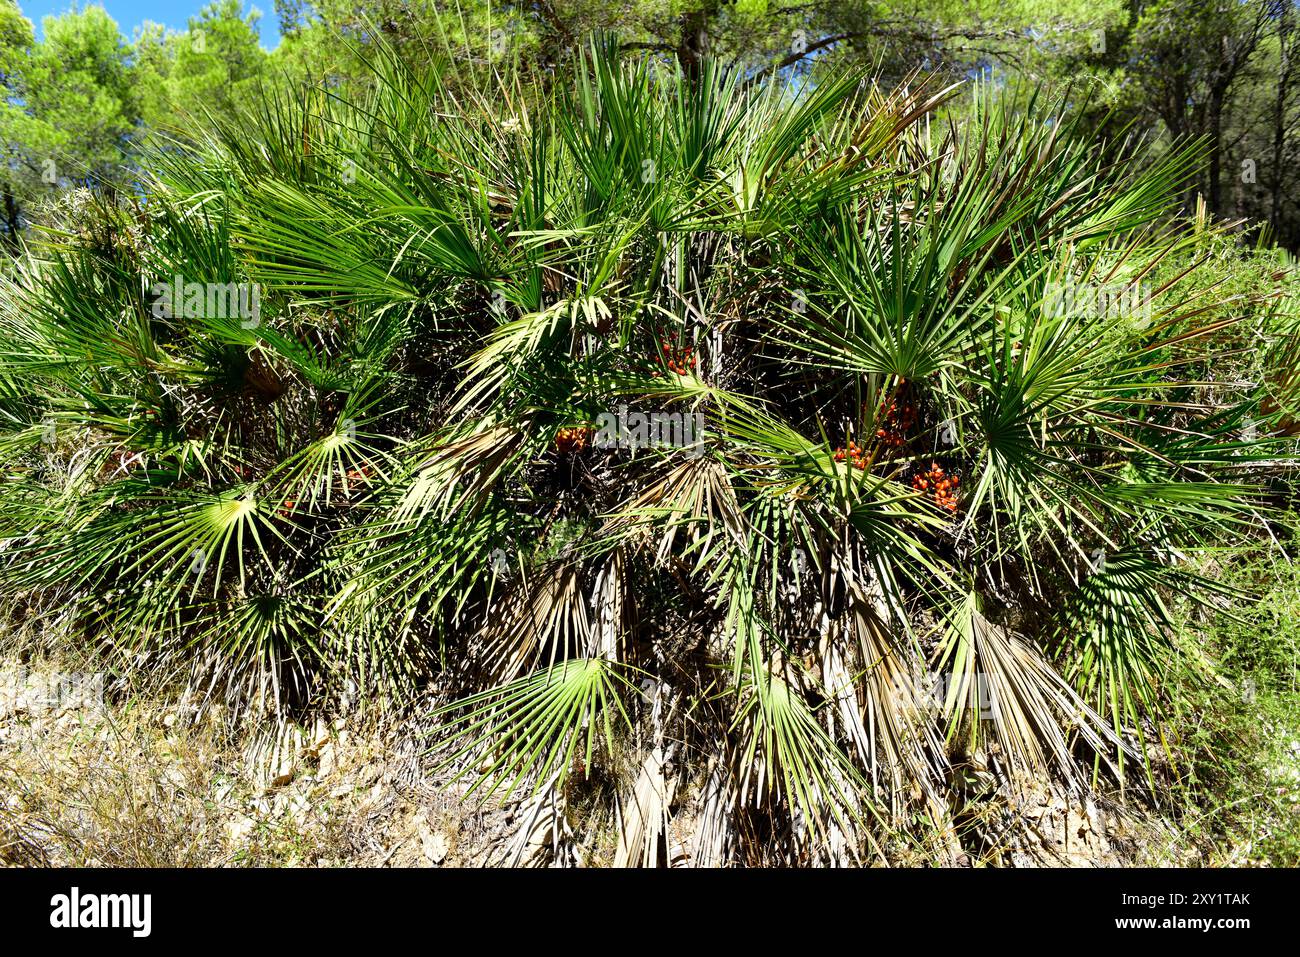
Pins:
<point x="138" y="784"/>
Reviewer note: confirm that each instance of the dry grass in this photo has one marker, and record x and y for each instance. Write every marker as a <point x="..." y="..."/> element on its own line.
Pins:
<point x="134" y="785"/>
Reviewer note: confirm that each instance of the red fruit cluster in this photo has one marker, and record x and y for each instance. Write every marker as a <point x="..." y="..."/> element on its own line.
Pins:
<point x="682" y="361"/>
<point x="359" y="475"/>
<point x="897" y="421"/>
<point x="854" y="453"/>
<point x="943" y="487"/>
<point x="572" y="439"/>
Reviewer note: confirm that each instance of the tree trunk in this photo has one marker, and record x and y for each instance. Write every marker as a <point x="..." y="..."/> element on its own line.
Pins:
<point x="11" y="220"/>
<point x="1279" y="118"/>
<point x="1214" y="123"/>
<point x="693" y="41"/>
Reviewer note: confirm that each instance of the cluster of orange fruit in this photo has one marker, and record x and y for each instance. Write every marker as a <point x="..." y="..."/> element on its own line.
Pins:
<point x="898" y="421"/>
<point x="360" y="476"/>
<point x="682" y="361"/>
<point x="854" y="453"/>
<point x="572" y="439"/>
<point x="943" y="486"/>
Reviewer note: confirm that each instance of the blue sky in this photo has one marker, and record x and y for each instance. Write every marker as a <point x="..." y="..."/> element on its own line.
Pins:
<point x="129" y="14"/>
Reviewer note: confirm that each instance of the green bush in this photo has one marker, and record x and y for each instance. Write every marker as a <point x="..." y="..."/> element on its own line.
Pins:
<point x="956" y="444"/>
<point x="1238" y="793"/>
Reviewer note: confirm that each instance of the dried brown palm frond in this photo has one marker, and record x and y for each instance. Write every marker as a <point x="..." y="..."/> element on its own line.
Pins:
<point x="1002" y="689"/>
<point x="539" y="621"/>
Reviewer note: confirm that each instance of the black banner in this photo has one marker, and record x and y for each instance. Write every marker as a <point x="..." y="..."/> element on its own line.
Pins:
<point x="302" y="907"/>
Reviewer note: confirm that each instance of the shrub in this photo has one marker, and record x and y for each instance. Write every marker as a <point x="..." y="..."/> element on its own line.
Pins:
<point x="955" y="446"/>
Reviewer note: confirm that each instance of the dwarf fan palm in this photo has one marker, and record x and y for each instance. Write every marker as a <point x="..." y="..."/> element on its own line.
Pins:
<point x="951" y="458"/>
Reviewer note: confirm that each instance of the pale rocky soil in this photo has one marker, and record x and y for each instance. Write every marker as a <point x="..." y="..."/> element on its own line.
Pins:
<point x="138" y="785"/>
